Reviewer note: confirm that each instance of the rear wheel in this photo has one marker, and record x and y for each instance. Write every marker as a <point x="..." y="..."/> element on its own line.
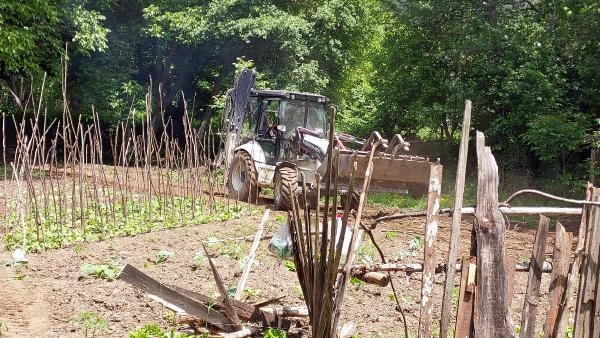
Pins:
<point x="286" y="185"/>
<point x="242" y="179"/>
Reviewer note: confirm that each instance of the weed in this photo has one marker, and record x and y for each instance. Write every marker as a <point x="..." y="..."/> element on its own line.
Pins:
<point x="279" y="218"/>
<point x="91" y="323"/>
<point x="251" y="292"/>
<point x="356" y="281"/>
<point x="2" y="329"/>
<point x="390" y="234"/>
<point x="289" y="265"/>
<point x="198" y="260"/>
<point x="162" y="256"/>
<point x="455" y="297"/>
<point x="106" y="271"/>
<point x="232" y="249"/>
<point x="298" y="290"/>
<point x="274" y="333"/>
<point x="366" y="253"/>
<point x="415" y="246"/>
<point x="154" y="331"/>
<point x="79" y="248"/>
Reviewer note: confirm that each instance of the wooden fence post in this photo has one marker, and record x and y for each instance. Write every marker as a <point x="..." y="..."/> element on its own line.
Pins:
<point x="456" y="220"/>
<point x="534" y="279"/>
<point x="492" y="314"/>
<point x="574" y="272"/>
<point x="585" y="315"/>
<point x="429" y="264"/>
<point x="558" y="284"/>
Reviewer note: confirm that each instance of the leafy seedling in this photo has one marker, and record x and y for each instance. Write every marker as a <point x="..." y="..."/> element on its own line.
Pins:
<point x="289" y="265"/>
<point x="356" y="281"/>
<point x="101" y="271"/>
<point x="162" y="256"/>
<point x="274" y="333"/>
<point x="91" y="323"/>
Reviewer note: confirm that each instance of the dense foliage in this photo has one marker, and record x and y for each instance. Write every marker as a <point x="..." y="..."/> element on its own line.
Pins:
<point x="530" y="67"/>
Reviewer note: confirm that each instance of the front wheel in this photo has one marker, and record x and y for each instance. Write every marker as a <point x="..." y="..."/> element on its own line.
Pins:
<point x="242" y="179"/>
<point x="286" y="186"/>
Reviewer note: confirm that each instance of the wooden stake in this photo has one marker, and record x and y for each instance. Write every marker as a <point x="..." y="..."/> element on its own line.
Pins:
<point x="558" y="283"/>
<point x="464" y="316"/>
<point x="431" y="228"/>
<point x="244" y="278"/>
<point x="532" y="295"/>
<point x="456" y="219"/>
<point x="584" y="315"/>
<point x="492" y="315"/>
<point x="574" y="272"/>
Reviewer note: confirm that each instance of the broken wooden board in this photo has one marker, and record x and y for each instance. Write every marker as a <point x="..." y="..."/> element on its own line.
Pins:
<point x="191" y="306"/>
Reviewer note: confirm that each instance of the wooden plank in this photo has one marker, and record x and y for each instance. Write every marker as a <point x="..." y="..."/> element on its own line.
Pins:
<point x="492" y="316"/>
<point x="246" y="273"/>
<point x="589" y="274"/>
<point x="574" y="271"/>
<point x="456" y="220"/>
<point x="245" y="311"/>
<point x="510" y="264"/>
<point x="558" y="282"/>
<point x="193" y="307"/>
<point x="429" y="254"/>
<point x="534" y="279"/>
<point x="386" y="168"/>
<point x="466" y="299"/>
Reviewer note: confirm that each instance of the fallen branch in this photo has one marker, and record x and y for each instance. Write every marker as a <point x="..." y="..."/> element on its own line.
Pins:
<point x="418" y="267"/>
<point x="548" y="211"/>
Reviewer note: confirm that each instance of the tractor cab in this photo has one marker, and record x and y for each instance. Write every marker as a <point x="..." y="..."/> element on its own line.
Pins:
<point x="276" y="119"/>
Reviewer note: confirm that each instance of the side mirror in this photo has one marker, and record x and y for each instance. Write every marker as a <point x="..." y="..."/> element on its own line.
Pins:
<point x="281" y="128"/>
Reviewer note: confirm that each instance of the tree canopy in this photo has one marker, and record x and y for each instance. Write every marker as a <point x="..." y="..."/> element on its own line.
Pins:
<point x="530" y="67"/>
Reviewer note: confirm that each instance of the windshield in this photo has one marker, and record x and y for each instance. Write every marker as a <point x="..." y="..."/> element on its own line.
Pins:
<point x="295" y="114"/>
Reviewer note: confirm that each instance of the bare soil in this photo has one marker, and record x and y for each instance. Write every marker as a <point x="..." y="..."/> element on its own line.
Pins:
<point x="43" y="299"/>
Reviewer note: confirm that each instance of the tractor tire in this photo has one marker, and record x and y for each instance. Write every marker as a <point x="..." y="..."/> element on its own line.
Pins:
<point x="242" y="178"/>
<point x="286" y="186"/>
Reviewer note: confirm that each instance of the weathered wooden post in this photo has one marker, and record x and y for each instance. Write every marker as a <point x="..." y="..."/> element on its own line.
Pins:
<point x="492" y="312"/>
<point x="456" y="220"/>
<point x="431" y="228"/>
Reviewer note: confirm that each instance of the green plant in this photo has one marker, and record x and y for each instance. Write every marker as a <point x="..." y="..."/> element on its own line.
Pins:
<point x="154" y="331"/>
<point x="299" y="292"/>
<point x="274" y="333"/>
<point x="289" y="265"/>
<point x="79" y="248"/>
<point x="3" y="328"/>
<point x="162" y="256"/>
<point x="390" y="234"/>
<point x="91" y="323"/>
<point x="366" y="253"/>
<point x="356" y="281"/>
<point x="106" y="271"/>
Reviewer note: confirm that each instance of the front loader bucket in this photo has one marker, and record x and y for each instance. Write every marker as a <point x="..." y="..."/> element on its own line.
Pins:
<point x="403" y="174"/>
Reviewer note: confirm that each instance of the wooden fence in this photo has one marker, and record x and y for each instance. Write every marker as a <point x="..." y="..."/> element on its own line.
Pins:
<point x="487" y="276"/>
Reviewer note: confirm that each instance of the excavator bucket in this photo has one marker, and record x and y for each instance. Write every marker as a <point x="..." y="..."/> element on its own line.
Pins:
<point x="393" y="171"/>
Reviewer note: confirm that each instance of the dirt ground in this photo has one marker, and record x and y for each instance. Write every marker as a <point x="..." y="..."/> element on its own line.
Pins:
<point x="43" y="299"/>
